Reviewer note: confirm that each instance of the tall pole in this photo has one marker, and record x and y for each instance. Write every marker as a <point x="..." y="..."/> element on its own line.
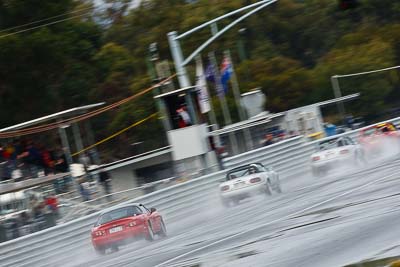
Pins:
<point x="90" y="139"/>
<point x="218" y="83"/>
<point x="239" y="104"/>
<point x="176" y="51"/>
<point x="78" y="142"/>
<point x="337" y="93"/>
<point x="181" y="72"/>
<point x="224" y="106"/>
<point x="65" y="144"/>
<point x="241" y="49"/>
<point x="178" y="59"/>
<point x="151" y="61"/>
<point x="235" y="88"/>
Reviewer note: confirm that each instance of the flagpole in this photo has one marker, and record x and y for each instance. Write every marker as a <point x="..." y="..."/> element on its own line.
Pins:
<point x="201" y="83"/>
<point x="211" y="113"/>
<point x="238" y="99"/>
<point x="221" y="95"/>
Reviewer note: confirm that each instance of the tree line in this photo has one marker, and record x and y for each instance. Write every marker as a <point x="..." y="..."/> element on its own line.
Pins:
<point x="99" y="52"/>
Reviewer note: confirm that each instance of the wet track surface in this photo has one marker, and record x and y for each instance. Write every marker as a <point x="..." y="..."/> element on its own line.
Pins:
<point x="330" y="221"/>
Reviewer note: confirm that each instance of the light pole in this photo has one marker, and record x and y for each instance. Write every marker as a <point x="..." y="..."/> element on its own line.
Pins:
<point x="181" y="72"/>
<point x="176" y="50"/>
<point x="241" y="46"/>
<point x="173" y="38"/>
<point x="152" y="59"/>
<point x="336" y="87"/>
<point x="338" y="94"/>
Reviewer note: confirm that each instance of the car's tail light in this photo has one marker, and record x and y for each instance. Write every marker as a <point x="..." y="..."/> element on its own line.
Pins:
<point x="255" y="180"/>
<point x="99" y="233"/>
<point x="316" y="158"/>
<point x="225" y="188"/>
<point x="344" y="151"/>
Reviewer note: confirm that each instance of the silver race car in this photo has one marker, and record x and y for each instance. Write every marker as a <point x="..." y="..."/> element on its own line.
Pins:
<point x="336" y="153"/>
<point x="248" y="180"/>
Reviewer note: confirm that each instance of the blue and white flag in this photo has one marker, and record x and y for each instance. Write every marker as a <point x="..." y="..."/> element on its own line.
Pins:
<point x="213" y="76"/>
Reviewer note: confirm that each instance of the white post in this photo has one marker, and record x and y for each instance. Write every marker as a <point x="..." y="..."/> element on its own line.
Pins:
<point x="183" y="77"/>
<point x="65" y="144"/>
<point x="338" y="94"/>
<point x="178" y="59"/>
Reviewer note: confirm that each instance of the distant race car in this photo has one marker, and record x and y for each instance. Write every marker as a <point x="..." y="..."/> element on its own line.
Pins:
<point x="373" y="138"/>
<point x="124" y="224"/>
<point x="248" y="180"/>
<point x="334" y="153"/>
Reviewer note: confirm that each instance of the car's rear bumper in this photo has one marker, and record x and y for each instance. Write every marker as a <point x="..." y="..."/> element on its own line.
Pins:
<point x="333" y="163"/>
<point x="244" y="191"/>
<point x="127" y="235"/>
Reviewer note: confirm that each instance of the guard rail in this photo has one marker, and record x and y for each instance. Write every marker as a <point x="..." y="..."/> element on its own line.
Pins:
<point x="289" y="158"/>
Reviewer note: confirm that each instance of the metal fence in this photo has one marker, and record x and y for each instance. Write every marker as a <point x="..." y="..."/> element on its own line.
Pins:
<point x="289" y="158"/>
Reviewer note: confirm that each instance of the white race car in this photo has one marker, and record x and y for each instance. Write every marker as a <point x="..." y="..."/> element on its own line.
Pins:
<point x="334" y="153"/>
<point x="248" y="180"/>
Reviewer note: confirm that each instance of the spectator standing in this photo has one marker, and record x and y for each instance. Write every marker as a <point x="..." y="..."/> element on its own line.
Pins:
<point x="47" y="161"/>
<point x="31" y="159"/>
<point x="181" y="122"/>
<point x="105" y="181"/>
<point x="10" y="158"/>
<point x="183" y="113"/>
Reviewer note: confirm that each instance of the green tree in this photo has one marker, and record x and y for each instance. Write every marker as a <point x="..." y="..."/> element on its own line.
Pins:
<point x="47" y="69"/>
<point x="357" y="53"/>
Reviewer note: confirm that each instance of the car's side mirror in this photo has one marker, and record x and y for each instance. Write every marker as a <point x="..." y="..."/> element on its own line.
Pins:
<point x="152" y="210"/>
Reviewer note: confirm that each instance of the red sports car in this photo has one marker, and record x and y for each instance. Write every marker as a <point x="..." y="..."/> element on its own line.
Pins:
<point x="124" y="224"/>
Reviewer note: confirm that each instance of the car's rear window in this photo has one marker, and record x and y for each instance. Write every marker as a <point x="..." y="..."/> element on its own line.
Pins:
<point x="243" y="171"/>
<point x="329" y="144"/>
<point x="118" y="214"/>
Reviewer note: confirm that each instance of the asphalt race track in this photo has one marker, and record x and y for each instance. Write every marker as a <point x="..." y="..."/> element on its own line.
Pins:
<point x="335" y="220"/>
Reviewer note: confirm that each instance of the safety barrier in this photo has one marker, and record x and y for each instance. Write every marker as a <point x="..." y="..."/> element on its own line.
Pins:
<point x="289" y="158"/>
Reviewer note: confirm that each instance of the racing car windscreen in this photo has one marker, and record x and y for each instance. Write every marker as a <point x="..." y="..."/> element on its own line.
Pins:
<point x="118" y="214"/>
<point x="329" y="144"/>
<point x="243" y="171"/>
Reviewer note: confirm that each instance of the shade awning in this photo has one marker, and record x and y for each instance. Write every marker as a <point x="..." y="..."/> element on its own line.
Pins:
<point x="59" y="115"/>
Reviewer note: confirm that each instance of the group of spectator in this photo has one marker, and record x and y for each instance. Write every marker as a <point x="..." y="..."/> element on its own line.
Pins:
<point x="23" y="159"/>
